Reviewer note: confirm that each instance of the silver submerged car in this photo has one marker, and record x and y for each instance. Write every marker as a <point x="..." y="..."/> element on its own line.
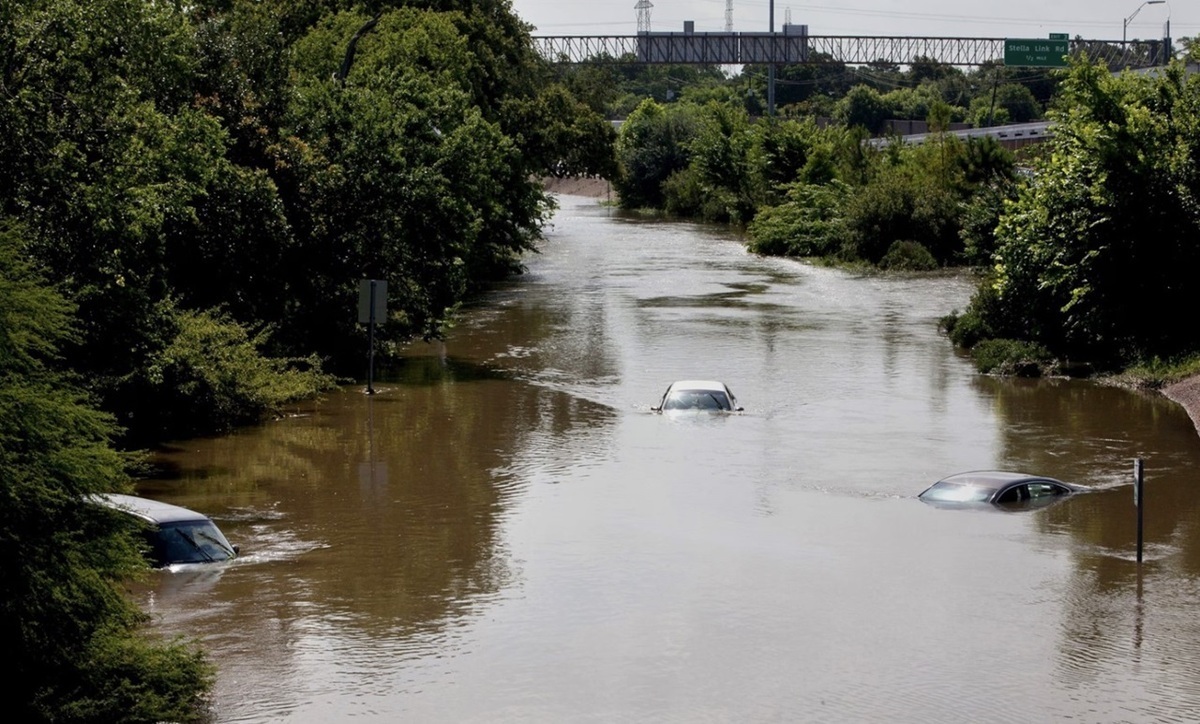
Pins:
<point x="174" y="535"/>
<point x="997" y="487"/>
<point x="698" y="396"/>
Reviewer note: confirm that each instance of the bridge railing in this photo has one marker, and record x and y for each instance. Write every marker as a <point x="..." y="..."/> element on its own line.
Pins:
<point x="785" y="49"/>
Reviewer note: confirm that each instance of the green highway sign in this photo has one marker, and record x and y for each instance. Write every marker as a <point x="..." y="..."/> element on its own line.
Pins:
<point x="1059" y="36"/>
<point x="1040" y="53"/>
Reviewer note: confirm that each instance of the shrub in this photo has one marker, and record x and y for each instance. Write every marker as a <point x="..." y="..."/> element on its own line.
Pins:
<point x="683" y="194"/>
<point x="807" y="223"/>
<point x="965" y="330"/>
<point x="908" y="256"/>
<point x="1013" y="357"/>
<point x="212" y="377"/>
<point x="898" y="205"/>
<point x="980" y="216"/>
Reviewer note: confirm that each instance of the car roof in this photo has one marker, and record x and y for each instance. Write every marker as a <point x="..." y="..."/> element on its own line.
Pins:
<point x="997" y="479"/>
<point x="699" y="385"/>
<point x="152" y="510"/>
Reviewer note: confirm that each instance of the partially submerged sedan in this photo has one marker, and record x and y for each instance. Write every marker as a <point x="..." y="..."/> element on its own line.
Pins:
<point x="173" y="534"/>
<point x="698" y="396"/>
<point x="996" y="487"/>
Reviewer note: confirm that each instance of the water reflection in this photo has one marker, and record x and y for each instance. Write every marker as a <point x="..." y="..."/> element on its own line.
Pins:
<point x="505" y="532"/>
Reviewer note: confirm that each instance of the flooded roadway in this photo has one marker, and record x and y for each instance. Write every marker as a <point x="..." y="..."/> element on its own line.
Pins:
<point x="507" y="533"/>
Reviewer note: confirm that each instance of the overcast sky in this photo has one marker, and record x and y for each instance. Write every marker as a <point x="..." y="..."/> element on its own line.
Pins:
<point x="1092" y="19"/>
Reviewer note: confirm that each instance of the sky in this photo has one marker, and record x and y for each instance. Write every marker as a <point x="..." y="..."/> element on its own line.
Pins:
<point x="1092" y="19"/>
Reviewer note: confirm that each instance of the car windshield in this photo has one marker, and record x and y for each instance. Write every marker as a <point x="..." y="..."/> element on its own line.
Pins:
<point x="197" y="541"/>
<point x="957" y="493"/>
<point x="697" y="400"/>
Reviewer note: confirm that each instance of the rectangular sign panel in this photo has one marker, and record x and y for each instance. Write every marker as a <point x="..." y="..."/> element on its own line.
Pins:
<point x="1059" y="36"/>
<point x="372" y="301"/>
<point x="1039" y="53"/>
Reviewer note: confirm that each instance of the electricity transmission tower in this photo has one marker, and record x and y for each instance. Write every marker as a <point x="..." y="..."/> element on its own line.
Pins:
<point x="643" y="15"/>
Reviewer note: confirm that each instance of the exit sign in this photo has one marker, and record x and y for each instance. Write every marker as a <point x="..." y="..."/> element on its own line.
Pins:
<point x="1059" y="36"/>
<point x="1040" y="53"/>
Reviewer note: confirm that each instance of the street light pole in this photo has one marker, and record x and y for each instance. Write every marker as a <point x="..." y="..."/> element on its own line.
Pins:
<point x="1128" y="20"/>
<point x="771" y="61"/>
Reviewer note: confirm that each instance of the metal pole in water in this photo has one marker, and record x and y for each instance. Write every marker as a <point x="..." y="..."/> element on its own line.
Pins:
<point x="371" y="343"/>
<point x="1138" y="502"/>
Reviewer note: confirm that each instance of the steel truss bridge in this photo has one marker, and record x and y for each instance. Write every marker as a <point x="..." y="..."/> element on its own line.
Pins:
<point x="790" y="49"/>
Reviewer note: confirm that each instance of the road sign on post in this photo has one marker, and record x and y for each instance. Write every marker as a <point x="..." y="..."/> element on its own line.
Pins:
<point x="372" y="310"/>
<point x="372" y="301"/>
<point x="1036" y="53"/>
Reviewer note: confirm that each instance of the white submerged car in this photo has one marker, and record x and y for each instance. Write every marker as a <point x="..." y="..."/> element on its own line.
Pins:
<point x="174" y="535"/>
<point x="698" y="396"/>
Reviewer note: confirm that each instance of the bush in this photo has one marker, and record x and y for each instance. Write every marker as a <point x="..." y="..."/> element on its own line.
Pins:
<point x="965" y="330"/>
<point x="1013" y="357"/>
<point x="683" y="194"/>
<point x="908" y="256"/>
<point x="808" y="223"/>
<point x="212" y="377"/>
<point x="898" y="205"/>
<point x="979" y="219"/>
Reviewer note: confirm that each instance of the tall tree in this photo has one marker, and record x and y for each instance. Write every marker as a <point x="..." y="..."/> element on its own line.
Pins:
<point x="71" y="632"/>
<point x="1095" y="258"/>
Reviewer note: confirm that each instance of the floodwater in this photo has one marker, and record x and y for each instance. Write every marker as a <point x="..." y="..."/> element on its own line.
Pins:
<point x="506" y="532"/>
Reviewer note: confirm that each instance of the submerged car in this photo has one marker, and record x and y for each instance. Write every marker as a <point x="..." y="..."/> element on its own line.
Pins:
<point x="1008" y="489"/>
<point x="174" y="534"/>
<point x="698" y="396"/>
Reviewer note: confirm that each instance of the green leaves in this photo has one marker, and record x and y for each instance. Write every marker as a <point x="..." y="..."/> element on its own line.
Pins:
<point x="1094" y="255"/>
<point x="63" y="560"/>
<point x="808" y="223"/>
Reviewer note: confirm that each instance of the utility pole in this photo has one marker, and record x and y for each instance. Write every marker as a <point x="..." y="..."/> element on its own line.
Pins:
<point x="771" y="63"/>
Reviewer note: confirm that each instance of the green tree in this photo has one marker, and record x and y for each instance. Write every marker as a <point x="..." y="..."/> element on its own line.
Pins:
<point x="1018" y="100"/>
<point x="923" y="68"/>
<point x="412" y="183"/>
<point x="785" y="147"/>
<point x="1094" y="258"/>
<point x="721" y="157"/>
<point x="77" y="651"/>
<point x="652" y="145"/>
<point x="808" y="223"/>
<point x="863" y="106"/>
<point x="128" y="186"/>
<point x="915" y="200"/>
<point x="1190" y="49"/>
<point x="796" y="84"/>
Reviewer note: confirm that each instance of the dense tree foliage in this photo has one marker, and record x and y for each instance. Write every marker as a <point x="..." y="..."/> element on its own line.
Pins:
<point x="192" y="193"/>
<point x="840" y="194"/>
<point x="248" y="163"/>
<point x="76" y="653"/>
<point x="1094" y="259"/>
<point x="653" y="145"/>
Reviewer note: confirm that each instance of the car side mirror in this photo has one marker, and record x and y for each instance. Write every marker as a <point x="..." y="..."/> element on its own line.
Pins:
<point x="237" y="549"/>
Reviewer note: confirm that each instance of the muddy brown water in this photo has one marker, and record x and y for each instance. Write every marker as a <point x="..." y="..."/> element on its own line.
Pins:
<point x="506" y="533"/>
